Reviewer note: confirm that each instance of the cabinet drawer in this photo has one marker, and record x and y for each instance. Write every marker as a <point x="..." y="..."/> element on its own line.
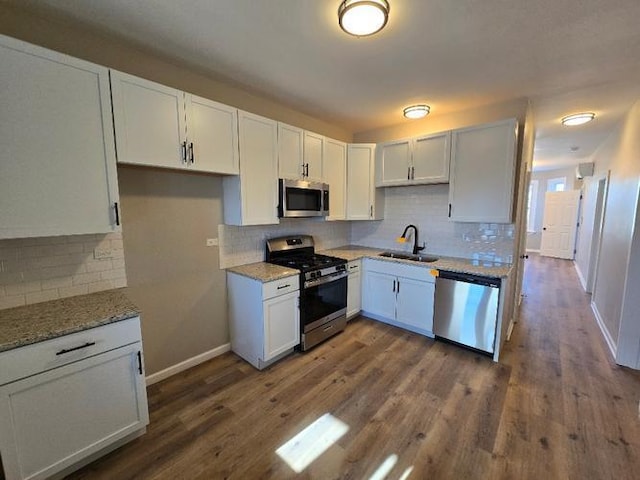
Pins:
<point x="280" y="287"/>
<point x="42" y="356"/>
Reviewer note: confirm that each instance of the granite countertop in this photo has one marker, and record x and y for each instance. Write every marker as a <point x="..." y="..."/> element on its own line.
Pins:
<point x="264" y="272"/>
<point x="43" y="321"/>
<point x="451" y="264"/>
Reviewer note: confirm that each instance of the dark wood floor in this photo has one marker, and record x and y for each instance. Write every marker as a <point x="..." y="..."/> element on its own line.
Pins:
<point x="556" y="407"/>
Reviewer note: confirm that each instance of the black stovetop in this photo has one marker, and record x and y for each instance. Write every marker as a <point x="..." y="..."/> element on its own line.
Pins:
<point x="307" y="262"/>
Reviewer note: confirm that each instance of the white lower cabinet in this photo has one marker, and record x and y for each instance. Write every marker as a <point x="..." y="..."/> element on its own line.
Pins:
<point x="264" y="318"/>
<point x="399" y="294"/>
<point x="354" y="288"/>
<point x="69" y="398"/>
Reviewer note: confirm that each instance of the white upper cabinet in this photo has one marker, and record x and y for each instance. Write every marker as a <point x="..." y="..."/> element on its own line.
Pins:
<point x="482" y="173"/>
<point x="364" y="201"/>
<point x="431" y="156"/>
<point x="394" y="163"/>
<point x="149" y="121"/>
<point x="252" y="197"/>
<point x="161" y="126"/>
<point x="57" y="165"/>
<point x="212" y="136"/>
<point x="335" y="174"/>
<point x="290" y="151"/>
<point x="300" y="154"/>
<point x="414" y="161"/>
<point x="313" y="156"/>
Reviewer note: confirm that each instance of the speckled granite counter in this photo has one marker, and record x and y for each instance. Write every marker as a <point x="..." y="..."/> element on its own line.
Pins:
<point x="265" y="272"/>
<point x="451" y="264"/>
<point x="42" y="321"/>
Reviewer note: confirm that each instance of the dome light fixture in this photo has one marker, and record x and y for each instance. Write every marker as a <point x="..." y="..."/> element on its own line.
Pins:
<point x="416" y="111"/>
<point x="362" y="18"/>
<point x="578" y="119"/>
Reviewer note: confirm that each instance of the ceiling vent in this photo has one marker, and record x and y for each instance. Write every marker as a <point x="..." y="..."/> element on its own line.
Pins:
<point x="584" y="170"/>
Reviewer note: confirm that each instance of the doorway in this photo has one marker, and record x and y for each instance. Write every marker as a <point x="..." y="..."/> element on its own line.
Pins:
<point x="598" y="222"/>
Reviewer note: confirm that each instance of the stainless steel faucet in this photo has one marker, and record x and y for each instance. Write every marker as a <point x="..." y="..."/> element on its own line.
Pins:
<point x="416" y="248"/>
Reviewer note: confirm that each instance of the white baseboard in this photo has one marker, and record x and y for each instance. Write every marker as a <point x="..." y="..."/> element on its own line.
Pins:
<point x="605" y="333"/>
<point x="188" y="363"/>
<point x="583" y="282"/>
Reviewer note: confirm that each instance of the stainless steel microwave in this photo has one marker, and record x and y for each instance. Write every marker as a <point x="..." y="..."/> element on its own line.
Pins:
<point x="299" y="198"/>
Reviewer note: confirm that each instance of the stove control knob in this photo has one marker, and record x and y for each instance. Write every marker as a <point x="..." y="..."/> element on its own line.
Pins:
<point x="313" y="274"/>
<point x="341" y="268"/>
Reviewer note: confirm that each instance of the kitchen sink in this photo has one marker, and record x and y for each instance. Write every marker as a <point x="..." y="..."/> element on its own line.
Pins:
<point x="408" y="256"/>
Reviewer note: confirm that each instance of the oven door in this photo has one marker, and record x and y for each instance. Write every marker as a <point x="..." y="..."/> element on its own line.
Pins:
<point x="322" y="301"/>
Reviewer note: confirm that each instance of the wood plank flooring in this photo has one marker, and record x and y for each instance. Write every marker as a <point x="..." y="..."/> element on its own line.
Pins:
<point x="556" y="407"/>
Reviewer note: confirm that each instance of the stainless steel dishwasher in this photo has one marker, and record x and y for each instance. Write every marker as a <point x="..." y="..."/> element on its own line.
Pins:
<point x="466" y="309"/>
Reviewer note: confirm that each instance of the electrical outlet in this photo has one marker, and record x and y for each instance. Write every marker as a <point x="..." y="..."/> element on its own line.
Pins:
<point x="100" y="253"/>
<point x="212" y="242"/>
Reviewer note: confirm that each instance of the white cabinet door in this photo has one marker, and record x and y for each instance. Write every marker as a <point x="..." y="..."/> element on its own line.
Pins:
<point x="57" y="162"/>
<point x="335" y="174"/>
<point x="482" y="173"/>
<point x="415" y="303"/>
<point x="313" y="153"/>
<point x="212" y="136"/>
<point x="290" y="151"/>
<point x="364" y="201"/>
<point x="354" y="293"/>
<point x="281" y="324"/>
<point x="394" y="163"/>
<point x="252" y="198"/>
<point x="149" y="121"/>
<point x="431" y="155"/>
<point x="379" y="295"/>
<point x="52" y="420"/>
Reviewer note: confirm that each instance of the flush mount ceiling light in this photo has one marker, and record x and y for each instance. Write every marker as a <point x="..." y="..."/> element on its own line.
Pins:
<point x="363" y="17"/>
<point x="416" y="111"/>
<point x="578" y="119"/>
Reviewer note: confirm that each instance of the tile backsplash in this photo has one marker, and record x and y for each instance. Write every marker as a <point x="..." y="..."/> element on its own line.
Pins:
<point x="426" y="206"/>
<point x="35" y="270"/>
<point x="242" y="245"/>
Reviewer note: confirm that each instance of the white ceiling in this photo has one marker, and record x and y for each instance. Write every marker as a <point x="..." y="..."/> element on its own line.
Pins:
<point x="567" y="55"/>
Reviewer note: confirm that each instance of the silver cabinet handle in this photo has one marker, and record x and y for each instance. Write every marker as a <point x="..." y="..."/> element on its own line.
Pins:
<point x="283" y="286"/>
<point x="394" y="286"/>
<point x="408" y="173"/>
<point x="413" y="173"/>
<point x="184" y="152"/>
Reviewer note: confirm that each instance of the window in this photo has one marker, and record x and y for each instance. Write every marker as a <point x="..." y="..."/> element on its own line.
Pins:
<point x="532" y="202"/>
<point x="557" y="184"/>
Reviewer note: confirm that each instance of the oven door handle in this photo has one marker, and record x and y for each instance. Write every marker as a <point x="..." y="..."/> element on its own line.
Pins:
<point x="327" y="279"/>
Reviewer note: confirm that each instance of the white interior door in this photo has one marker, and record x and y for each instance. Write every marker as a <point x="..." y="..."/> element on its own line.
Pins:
<point x="559" y="224"/>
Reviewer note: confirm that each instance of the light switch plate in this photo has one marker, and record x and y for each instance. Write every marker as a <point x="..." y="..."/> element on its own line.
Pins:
<point x="212" y="242"/>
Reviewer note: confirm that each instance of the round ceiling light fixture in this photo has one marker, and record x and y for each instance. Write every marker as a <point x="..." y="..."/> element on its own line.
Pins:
<point x="363" y="17"/>
<point x="578" y="119"/>
<point x="416" y="111"/>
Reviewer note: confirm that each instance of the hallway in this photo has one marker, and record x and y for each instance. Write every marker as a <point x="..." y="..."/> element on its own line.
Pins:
<point x="556" y="407"/>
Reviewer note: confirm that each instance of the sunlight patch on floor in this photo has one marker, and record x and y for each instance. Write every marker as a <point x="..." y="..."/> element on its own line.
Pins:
<point x="384" y="468"/>
<point x="300" y="451"/>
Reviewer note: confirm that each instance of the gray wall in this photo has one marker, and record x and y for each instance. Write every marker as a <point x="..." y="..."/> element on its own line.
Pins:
<point x="533" y="239"/>
<point x="173" y="276"/>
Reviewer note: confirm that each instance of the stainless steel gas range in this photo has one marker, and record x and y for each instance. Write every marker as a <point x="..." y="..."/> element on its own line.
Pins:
<point x="323" y="287"/>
